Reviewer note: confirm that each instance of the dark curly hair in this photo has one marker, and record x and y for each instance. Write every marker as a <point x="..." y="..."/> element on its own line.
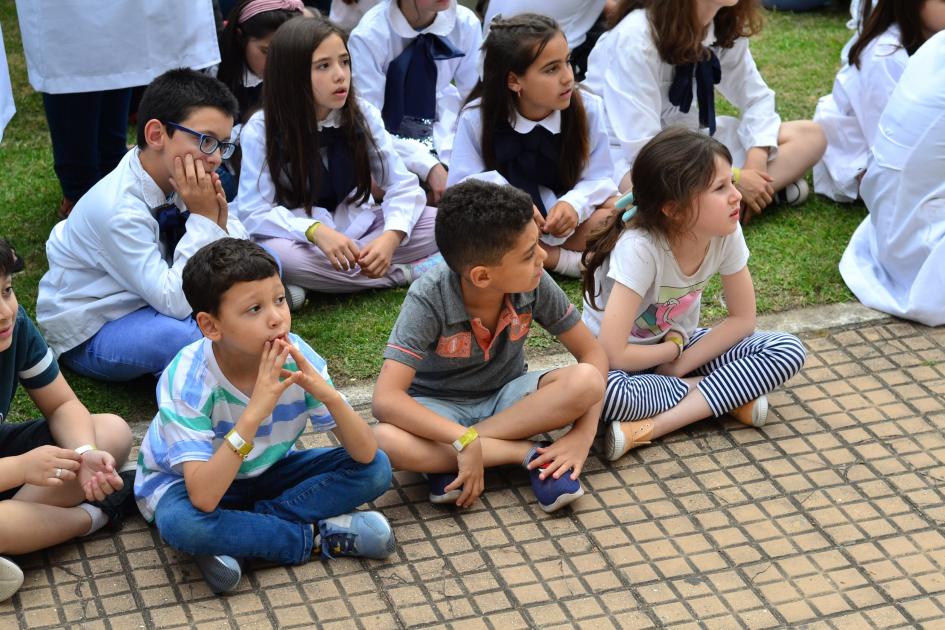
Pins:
<point x="477" y="223"/>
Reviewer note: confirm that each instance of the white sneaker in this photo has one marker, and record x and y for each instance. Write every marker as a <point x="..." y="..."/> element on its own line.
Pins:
<point x="795" y="193"/>
<point x="11" y="579"/>
<point x="414" y="270"/>
<point x="294" y="297"/>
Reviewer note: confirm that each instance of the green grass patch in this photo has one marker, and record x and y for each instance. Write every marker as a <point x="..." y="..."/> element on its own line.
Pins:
<point x="794" y="251"/>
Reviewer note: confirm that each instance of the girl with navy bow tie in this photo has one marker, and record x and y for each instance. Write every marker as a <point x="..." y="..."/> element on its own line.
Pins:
<point x="527" y="124"/>
<point x="416" y="61"/>
<point x="310" y="159"/>
<point x="659" y="66"/>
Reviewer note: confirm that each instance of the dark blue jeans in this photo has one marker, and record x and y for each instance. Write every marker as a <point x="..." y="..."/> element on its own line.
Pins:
<point x="89" y="132"/>
<point x="270" y="517"/>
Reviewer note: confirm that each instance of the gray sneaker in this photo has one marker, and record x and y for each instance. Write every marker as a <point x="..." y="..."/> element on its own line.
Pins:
<point x="11" y="579"/>
<point x="294" y="297"/>
<point x="221" y="573"/>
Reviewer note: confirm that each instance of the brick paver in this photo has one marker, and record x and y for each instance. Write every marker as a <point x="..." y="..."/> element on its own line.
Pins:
<point x="830" y="516"/>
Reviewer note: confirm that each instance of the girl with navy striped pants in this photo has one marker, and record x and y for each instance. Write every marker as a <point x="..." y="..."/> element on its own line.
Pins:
<point x="645" y="273"/>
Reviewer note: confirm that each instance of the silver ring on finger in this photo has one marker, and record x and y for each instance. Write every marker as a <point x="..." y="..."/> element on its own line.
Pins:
<point x="58" y="473"/>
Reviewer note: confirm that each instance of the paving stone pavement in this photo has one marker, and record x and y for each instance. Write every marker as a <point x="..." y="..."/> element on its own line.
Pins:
<point x="830" y="516"/>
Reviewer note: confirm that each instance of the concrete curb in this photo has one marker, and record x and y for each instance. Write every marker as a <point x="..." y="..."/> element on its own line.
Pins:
<point x="798" y="321"/>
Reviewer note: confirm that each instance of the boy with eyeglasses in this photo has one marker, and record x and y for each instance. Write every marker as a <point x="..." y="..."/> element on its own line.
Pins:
<point x="111" y="305"/>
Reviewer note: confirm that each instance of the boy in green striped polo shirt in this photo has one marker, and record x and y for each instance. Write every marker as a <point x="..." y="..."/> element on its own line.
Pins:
<point x="218" y="471"/>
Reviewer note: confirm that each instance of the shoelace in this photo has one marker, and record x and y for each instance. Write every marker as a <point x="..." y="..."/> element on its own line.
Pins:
<point x="340" y="543"/>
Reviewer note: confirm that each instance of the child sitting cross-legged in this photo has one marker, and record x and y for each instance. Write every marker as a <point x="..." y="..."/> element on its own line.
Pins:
<point x="454" y="395"/>
<point x="218" y="472"/>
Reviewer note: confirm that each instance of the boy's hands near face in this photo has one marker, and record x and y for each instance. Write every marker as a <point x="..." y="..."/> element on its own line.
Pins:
<point x="39" y="465"/>
<point x="471" y="475"/>
<point x="567" y="453"/>
<point x="270" y="383"/>
<point x="307" y="376"/>
<point x="200" y="190"/>
<point x="97" y="475"/>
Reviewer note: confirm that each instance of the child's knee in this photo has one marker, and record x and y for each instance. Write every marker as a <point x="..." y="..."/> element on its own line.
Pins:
<point x="587" y="385"/>
<point x="378" y="473"/>
<point x="388" y="436"/>
<point x="112" y="434"/>
<point x="191" y="532"/>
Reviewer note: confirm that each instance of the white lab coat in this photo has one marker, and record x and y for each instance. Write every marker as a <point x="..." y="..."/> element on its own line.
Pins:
<point x="7" y="108"/>
<point x="93" y="45"/>
<point x="626" y="70"/>
<point x="895" y="259"/>
<point x="850" y="115"/>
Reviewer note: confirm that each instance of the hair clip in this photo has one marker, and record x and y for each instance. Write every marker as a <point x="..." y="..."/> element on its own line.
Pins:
<point x="626" y="202"/>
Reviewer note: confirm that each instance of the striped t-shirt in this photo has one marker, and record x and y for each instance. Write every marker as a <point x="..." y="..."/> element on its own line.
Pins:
<point x="197" y="407"/>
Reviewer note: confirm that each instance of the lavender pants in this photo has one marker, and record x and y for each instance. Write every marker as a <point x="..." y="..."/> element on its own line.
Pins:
<point x="307" y="266"/>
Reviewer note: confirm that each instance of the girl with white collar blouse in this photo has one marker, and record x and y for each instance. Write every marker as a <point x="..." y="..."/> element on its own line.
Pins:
<point x="308" y="163"/>
<point x="527" y="124"/>
<point x="659" y="65"/>
<point x="416" y="61"/>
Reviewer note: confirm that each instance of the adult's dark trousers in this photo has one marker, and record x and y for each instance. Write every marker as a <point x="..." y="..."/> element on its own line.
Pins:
<point x="89" y="136"/>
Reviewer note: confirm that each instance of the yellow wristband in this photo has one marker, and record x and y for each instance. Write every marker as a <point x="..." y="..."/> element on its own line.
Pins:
<point x="310" y="232"/>
<point x="677" y="339"/>
<point x="736" y="174"/>
<point x="240" y="446"/>
<point x="465" y="439"/>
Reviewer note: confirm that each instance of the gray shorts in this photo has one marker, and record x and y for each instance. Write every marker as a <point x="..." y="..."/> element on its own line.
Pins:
<point x="469" y="411"/>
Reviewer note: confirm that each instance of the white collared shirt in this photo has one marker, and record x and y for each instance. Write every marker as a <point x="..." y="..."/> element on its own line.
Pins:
<point x="382" y="35"/>
<point x="595" y="185"/>
<point x="626" y="70"/>
<point x="92" y="45"/>
<point x="107" y="259"/>
<point x="256" y="204"/>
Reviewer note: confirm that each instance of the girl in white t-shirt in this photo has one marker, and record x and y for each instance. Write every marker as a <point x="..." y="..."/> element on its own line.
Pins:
<point x="527" y="124"/>
<point x="643" y="284"/>
<point x="875" y="59"/>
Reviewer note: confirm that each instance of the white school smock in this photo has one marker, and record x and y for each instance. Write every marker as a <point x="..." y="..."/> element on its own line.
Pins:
<point x="7" y="108"/>
<point x="262" y="215"/>
<point x="850" y="114"/>
<point x="896" y="257"/>
<point x="107" y="260"/>
<point x="93" y="45"/>
<point x="626" y="70"/>
<point x="575" y="17"/>
<point x="595" y="185"/>
<point x="347" y="15"/>
<point x="379" y="38"/>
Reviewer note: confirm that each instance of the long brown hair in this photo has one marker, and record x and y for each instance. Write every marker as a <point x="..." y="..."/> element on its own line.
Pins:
<point x="670" y="171"/>
<point x="678" y="33"/>
<point x="291" y="121"/>
<point x="513" y="45"/>
<point x="877" y="20"/>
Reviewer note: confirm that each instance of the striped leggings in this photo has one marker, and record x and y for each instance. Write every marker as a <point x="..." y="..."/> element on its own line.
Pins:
<point x="752" y="367"/>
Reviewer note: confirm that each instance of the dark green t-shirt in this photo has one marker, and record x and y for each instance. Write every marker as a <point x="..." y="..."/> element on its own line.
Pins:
<point x="28" y="360"/>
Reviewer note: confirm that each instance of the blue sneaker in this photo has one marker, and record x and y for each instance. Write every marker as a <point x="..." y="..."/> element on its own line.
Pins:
<point x="221" y="573"/>
<point x="358" y="534"/>
<point x="438" y="483"/>
<point x="553" y="494"/>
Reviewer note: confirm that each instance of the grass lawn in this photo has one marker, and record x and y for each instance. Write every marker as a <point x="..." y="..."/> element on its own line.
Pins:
<point x="794" y="251"/>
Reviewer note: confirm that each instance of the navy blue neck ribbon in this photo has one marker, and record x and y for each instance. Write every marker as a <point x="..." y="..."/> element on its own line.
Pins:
<point x="529" y="160"/>
<point x="171" y="225"/>
<point x="708" y="73"/>
<point x="336" y="180"/>
<point x="411" y="80"/>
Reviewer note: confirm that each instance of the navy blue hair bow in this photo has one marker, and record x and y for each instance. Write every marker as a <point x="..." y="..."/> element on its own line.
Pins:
<point x="707" y="73"/>
<point x="528" y="160"/>
<point x="411" y="80"/>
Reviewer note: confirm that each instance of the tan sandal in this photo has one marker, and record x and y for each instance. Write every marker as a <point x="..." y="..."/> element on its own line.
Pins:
<point x="624" y="436"/>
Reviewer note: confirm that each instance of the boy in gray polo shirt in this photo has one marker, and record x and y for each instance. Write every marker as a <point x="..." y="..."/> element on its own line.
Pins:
<point x="453" y="395"/>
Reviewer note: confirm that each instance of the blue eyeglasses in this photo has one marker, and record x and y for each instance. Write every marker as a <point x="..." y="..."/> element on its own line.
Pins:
<point x="207" y="144"/>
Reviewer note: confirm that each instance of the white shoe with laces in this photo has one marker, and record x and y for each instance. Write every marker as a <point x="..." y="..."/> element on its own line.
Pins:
<point x="11" y="579"/>
<point x="794" y="194"/>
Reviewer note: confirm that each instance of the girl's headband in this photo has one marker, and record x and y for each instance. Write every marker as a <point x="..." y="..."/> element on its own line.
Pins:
<point x="626" y="202"/>
<point x="256" y="7"/>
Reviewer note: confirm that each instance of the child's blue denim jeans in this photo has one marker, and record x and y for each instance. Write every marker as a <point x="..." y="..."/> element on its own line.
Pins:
<point x="270" y="517"/>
